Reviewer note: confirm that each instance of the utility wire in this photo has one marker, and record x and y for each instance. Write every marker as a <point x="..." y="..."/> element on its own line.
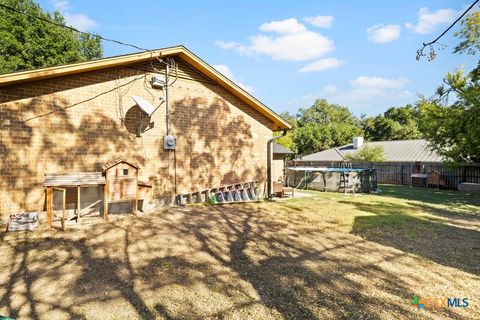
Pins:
<point x="429" y="44"/>
<point x="86" y="100"/>
<point x="72" y="28"/>
<point x="102" y="38"/>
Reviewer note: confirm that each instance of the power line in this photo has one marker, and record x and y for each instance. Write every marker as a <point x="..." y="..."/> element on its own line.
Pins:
<point x="93" y="35"/>
<point x="86" y="100"/>
<point x="72" y="28"/>
<point x="431" y="43"/>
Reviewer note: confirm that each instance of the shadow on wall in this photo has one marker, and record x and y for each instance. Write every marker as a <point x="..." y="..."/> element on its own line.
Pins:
<point x="137" y="122"/>
<point x="44" y="135"/>
<point x="56" y="143"/>
<point x="215" y="144"/>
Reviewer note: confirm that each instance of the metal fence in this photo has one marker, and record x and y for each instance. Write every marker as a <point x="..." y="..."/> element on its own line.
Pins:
<point x="400" y="172"/>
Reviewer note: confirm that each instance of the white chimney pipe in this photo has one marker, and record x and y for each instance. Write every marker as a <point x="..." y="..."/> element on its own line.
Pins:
<point x="357" y="142"/>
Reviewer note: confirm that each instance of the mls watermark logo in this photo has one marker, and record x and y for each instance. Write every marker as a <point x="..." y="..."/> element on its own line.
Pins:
<point x="438" y="302"/>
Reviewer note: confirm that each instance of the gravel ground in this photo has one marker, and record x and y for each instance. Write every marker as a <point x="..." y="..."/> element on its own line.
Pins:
<point x="327" y="256"/>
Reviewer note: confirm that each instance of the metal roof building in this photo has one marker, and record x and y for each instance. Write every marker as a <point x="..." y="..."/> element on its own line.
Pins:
<point x="281" y="150"/>
<point x="394" y="151"/>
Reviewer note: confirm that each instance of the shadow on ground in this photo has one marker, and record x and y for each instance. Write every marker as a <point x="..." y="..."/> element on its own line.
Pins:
<point x="430" y="196"/>
<point x="211" y="262"/>
<point x="431" y="238"/>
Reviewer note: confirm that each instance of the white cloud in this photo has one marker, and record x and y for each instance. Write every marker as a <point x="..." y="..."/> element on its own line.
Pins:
<point x="372" y="95"/>
<point x="363" y="94"/>
<point x="245" y="87"/>
<point x="330" y="88"/>
<point x="377" y="83"/>
<point x="381" y="33"/>
<point x="60" y="5"/>
<point x="428" y="21"/>
<point x="320" y="21"/>
<point x="293" y="42"/>
<point x="227" y="45"/>
<point x="79" y="21"/>
<point x="366" y="93"/>
<point x="284" y="26"/>
<point x="321" y="65"/>
<point x="225" y="70"/>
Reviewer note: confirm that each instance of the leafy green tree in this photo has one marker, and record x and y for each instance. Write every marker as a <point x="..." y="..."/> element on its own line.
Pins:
<point x="453" y="128"/>
<point x="367" y="154"/>
<point x="28" y="43"/>
<point x="323" y="126"/>
<point x="394" y="124"/>
<point x="287" y="141"/>
<point x="469" y="34"/>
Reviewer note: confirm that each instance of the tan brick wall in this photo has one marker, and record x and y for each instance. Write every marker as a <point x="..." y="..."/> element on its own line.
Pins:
<point x="79" y="122"/>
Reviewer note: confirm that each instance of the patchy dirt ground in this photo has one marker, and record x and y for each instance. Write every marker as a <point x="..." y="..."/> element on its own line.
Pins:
<point x="328" y="256"/>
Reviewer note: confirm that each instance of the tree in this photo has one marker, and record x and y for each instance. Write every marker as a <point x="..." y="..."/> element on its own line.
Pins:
<point x="287" y="141"/>
<point x="323" y="126"/>
<point x="367" y="154"/>
<point x="28" y="43"/>
<point x="453" y="129"/>
<point x="394" y="124"/>
<point x="469" y="34"/>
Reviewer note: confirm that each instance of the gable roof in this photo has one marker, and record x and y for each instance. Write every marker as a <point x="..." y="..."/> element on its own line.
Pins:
<point x="278" y="123"/>
<point x="394" y="151"/>
<point x="113" y="163"/>
<point x="279" y="149"/>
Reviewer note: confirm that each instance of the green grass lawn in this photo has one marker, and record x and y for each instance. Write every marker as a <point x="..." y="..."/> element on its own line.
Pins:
<point x="326" y="256"/>
<point x="440" y="225"/>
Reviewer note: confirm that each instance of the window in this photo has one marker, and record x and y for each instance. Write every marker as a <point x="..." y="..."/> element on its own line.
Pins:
<point x="122" y="172"/>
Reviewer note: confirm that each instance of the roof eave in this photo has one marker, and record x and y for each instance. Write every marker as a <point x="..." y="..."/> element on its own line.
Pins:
<point x="278" y="123"/>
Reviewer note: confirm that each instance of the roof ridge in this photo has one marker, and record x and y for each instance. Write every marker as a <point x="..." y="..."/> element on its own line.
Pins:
<point x="278" y="123"/>
<point x="397" y="140"/>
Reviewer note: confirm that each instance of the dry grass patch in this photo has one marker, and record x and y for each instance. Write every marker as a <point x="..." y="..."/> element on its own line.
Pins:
<point x="324" y="257"/>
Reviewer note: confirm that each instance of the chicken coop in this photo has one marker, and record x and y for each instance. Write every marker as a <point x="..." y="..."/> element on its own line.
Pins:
<point x="121" y="184"/>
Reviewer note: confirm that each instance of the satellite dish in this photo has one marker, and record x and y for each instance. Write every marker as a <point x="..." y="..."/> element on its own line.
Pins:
<point x="144" y="105"/>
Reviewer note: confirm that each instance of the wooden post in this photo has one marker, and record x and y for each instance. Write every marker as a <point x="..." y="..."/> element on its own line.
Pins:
<point x="105" y="199"/>
<point x="136" y="194"/>
<point x="64" y="213"/>
<point x="49" y="206"/>
<point x="401" y="174"/>
<point x="64" y="199"/>
<point x="78" y="204"/>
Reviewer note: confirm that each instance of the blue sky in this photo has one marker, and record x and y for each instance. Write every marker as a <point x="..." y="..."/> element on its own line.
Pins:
<point x="289" y="53"/>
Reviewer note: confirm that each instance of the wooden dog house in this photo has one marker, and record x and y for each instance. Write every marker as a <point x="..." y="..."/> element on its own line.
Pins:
<point x="435" y="178"/>
<point x="121" y="183"/>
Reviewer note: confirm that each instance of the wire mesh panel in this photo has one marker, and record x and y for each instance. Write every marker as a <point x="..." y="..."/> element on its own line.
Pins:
<point x="400" y="173"/>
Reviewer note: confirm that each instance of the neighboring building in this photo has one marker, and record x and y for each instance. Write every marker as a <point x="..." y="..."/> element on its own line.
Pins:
<point x="407" y="162"/>
<point x="278" y="163"/>
<point x="394" y="151"/>
<point x="76" y="117"/>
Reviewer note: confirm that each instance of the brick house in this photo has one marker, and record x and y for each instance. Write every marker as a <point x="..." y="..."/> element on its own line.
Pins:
<point x="77" y="117"/>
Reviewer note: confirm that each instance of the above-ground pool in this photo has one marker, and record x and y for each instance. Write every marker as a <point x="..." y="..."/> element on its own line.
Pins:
<point x="332" y="179"/>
